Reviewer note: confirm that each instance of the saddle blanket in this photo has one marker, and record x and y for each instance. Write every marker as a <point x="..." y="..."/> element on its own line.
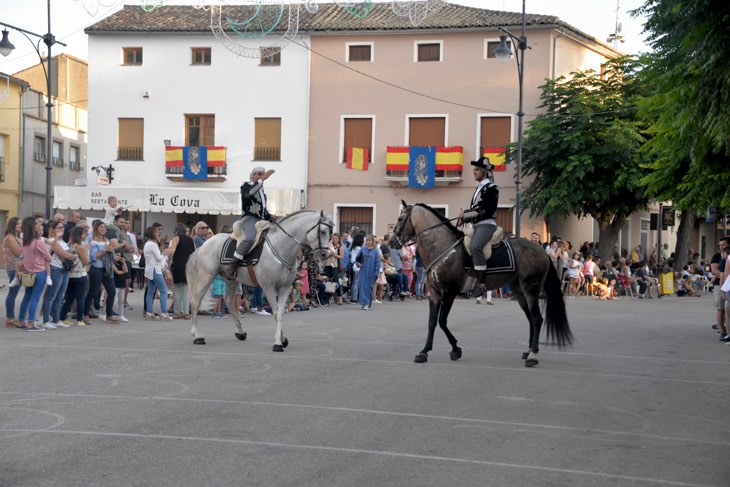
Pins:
<point x="502" y="259"/>
<point x="229" y="247"/>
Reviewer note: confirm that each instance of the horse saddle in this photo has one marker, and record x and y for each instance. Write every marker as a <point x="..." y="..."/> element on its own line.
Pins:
<point x="501" y="260"/>
<point x="494" y="242"/>
<point x="252" y="257"/>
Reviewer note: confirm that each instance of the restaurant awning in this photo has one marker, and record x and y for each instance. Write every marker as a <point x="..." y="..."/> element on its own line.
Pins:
<point x="172" y="200"/>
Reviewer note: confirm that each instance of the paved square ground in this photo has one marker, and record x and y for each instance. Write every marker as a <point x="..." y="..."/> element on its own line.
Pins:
<point x="642" y="399"/>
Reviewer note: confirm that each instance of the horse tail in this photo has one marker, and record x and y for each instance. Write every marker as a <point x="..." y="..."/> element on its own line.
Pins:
<point x="556" y="318"/>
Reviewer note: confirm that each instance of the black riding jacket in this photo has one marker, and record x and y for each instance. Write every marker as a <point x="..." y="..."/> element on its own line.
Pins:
<point x="252" y="201"/>
<point x="484" y="205"/>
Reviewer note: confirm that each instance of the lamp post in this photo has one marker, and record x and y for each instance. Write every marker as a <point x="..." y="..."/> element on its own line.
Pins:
<point x="503" y="53"/>
<point x="6" y="47"/>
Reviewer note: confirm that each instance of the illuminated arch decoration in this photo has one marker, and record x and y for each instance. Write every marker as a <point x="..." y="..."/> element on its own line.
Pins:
<point x="92" y="6"/>
<point x="417" y="11"/>
<point x="150" y="5"/>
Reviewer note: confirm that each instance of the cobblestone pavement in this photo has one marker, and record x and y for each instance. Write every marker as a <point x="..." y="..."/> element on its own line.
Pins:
<point x="640" y="400"/>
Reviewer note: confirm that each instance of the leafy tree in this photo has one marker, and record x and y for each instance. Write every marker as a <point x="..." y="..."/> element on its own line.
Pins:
<point x="584" y="152"/>
<point x="689" y="81"/>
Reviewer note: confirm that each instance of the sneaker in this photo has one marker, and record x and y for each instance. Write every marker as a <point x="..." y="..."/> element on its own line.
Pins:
<point x="102" y="317"/>
<point x="80" y="323"/>
<point x="365" y="308"/>
<point x="123" y="319"/>
<point x="60" y="324"/>
<point x="263" y="312"/>
<point x="725" y="337"/>
<point x="479" y="300"/>
<point x="34" y="328"/>
<point x="166" y="317"/>
<point x="714" y="327"/>
<point x="68" y="322"/>
<point x="214" y="315"/>
<point x="48" y="326"/>
<point x="377" y="301"/>
<point x="489" y="302"/>
<point x="21" y="326"/>
<point x="127" y="306"/>
<point x="49" y="281"/>
<point x="15" y="282"/>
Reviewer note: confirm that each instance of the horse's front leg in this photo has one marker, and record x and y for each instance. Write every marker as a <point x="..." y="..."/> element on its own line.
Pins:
<point x="232" y="287"/>
<point x="198" y="290"/>
<point x="277" y="300"/>
<point x="434" y="305"/>
<point x="446" y="304"/>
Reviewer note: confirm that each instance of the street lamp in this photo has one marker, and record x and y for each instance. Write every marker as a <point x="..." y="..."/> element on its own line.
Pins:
<point x="6" y="47"/>
<point x="503" y="53"/>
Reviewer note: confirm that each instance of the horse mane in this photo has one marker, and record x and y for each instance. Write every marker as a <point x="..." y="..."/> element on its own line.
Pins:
<point x="305" y="210"/>
<point x="458" y="233"/>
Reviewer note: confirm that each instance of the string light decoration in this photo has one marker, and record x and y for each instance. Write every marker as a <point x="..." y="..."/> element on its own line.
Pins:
<point x="150" y="5"/>
<point x="92" y="6"/>
<point x="417" y="11"/>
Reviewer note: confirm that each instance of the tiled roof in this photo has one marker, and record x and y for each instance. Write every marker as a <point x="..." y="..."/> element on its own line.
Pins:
<point x="329" y="18"/>
<point x="15" y="80"/>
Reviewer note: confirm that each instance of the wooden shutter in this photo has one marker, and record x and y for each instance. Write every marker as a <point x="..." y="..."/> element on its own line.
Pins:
<point x="427" y="132"/>
<point x="356" y="217"/>
<point x="495" y="131"/>
<point x="360" y="53"/>
<point x="429" y="52"/>
<point x="358" y="133"/>
<point x="268" y="139"/>
<point x="131" y="132"/>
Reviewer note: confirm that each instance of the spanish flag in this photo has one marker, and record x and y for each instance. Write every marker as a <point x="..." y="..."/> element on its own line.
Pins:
<point x="174" y="156"/>
<point x="357" y="158"/>
<point x="397" y="158"/>
<point x="496" y="156"/>
<point x="449" y="158"/>
<point x="216" y="156"/>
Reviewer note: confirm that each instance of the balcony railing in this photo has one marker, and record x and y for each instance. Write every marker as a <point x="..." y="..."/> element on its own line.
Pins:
<point x="58" y="162"/>
<point x="130" y="153"/>
<point x="212" y="171"/>
<point x="2" y="169"/>
<point x="267" y="153"/>
<point x="39" y="156"/>
<point x="439" y="174"/>
<point x="74" y="165"/>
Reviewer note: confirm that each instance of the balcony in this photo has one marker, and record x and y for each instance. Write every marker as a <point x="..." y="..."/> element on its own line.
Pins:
<point x="39" y="157"/>
<point x="130" y="153"/>
<point x="267" y="153"/>
<point x="57" y="162"/>
<point x="178" y="157"/>
<point x="74" y="165"/>
<point x="449" y="163"/>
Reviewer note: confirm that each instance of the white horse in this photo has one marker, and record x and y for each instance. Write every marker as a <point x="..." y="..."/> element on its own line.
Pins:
<point x="275" y="272"/>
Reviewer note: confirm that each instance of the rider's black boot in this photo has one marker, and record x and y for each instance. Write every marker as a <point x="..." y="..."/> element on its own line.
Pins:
<point x="232" y="270"/>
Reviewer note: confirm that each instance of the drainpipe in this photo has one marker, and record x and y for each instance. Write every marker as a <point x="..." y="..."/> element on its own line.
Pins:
<point x="21" y="166"/>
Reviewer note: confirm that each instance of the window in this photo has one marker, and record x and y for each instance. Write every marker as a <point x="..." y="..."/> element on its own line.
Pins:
<point x="199" y="130"/>
<point x="57" y="149"/>
<point x="358" y="132"/>
<point x="270" y="56"/>
<point x="427" y="131"/>
<point x="495" y="133"/>
<point x="39" y="149"/>
<point x="3" y="146"/>
<point x="359" y="52"/>
<point x="268" y="139"/>
<point x="201" y="56"/>
<point x="132" y="56"/>
<point x="74" y="162"/>
<point x="355" y="216"/>
<point x="490" y="45"/>
<point x="428" y="51"/>
<point x="131" y="139"/>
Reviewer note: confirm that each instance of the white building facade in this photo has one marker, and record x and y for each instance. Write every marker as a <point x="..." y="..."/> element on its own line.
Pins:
<point x="154" y="91"/>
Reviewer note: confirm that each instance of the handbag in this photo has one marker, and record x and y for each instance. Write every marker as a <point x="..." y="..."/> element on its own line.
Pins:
<point x="330" y="287"/>
<point x="390" y="270"/>
<point x="68" y="265"/>
<point x="27" y="279"/>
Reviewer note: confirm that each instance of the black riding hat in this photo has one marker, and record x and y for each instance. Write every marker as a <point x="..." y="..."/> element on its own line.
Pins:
<point x="483" y="163"/>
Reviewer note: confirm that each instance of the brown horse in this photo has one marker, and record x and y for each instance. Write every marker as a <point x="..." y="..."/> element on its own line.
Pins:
<point x="440" y="245"/>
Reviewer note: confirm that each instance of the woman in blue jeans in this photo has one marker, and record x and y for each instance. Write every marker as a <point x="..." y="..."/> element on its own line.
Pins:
<point x="154" y="263"/>
<point x="59" y="276"/>
<point x="35" y="259"/>
<point x="12" y="249"/>
<point x="77" y="278"/>
<point x="98" y="274"/>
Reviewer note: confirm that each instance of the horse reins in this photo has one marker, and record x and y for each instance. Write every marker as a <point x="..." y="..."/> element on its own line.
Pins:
<point x="305" y="246"/>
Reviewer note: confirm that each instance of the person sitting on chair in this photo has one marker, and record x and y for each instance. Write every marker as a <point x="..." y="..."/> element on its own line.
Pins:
<point x="481" y="214"/>
<point x="253" y="202"/>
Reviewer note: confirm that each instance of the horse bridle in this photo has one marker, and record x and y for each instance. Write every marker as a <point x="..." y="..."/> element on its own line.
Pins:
<point x="305" y="246"/>
<point x="408" y="210"/>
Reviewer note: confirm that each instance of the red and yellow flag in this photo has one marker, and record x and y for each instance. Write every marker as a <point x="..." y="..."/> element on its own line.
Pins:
<point x="396" y="158"/>
<point x="449" y="158"/>
<point x="216" y="156"/>
<point x="357" y="158"/>
<point x="496" y="156"/>
<point x="174" y="156"/>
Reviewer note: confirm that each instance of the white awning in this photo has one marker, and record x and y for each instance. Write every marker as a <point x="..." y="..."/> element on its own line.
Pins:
<point x="172" y="200"/>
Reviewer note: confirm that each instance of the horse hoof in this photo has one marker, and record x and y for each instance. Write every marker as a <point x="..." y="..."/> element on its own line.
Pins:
<point x="285" y="342"/>
<point x="421" y="358"/>
<point x="525" y="355"/>
<point x="241" y="336"/>
<point x="278" y="348"/>
<point x="531" y="362"/>
<point x="455" y="354"/>
<point x="199" y="341"/>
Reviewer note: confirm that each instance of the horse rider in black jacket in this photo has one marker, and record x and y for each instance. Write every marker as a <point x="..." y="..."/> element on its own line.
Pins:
<point x="253" y="203"/>
<point x="481" y="214"/>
